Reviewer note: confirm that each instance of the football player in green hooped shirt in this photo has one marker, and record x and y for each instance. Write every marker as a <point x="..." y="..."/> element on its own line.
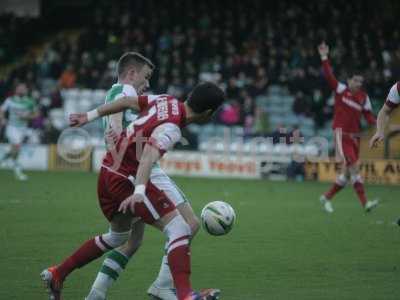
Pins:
<point x="21" y="109"/>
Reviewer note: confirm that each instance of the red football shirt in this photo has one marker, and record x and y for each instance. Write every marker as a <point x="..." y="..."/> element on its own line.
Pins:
<point x="349" y="107"/>
<point x="158" y="124"/>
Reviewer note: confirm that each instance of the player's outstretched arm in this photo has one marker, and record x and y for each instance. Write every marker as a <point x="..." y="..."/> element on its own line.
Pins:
<point x="381" y="123"/>
<point x="80" y="119"/>
<point x="323" y="50"/>
<point x="164" y="137"/>
<point x="149" y="156"/>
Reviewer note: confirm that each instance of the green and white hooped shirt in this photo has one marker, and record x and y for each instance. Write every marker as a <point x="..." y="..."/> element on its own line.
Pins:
<point x="18" y="109"/>
<point x="116" y="92"/>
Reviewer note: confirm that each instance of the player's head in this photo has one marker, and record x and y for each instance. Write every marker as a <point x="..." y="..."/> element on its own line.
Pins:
<point x="355" y="81"/>
<point x="21" y="89"/>
<point x="135" y="69"/>
<point x="203" y="101"/>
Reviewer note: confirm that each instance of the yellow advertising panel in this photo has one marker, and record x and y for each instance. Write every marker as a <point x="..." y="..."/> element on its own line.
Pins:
<point x="372" y="171"/>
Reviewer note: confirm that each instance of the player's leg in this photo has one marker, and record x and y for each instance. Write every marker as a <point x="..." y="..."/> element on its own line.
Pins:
<point x="341" y="178"/>
<point x="352" y="158"/>
<point x="359" y="188"/>
<point x="159" y="211"/>
<point x="163" y="286"/>
<point x="118" y="234"/>
<point x="94" y="248"/>
<point x="178" y="233"/>
<point x="86" y="253"/>
<point x="337" y="186"/>
<point x="115" y="263"/>
<point x="15" y="136"/>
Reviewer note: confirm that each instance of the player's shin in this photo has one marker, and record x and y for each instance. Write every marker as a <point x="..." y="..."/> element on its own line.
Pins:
<point x="91" y="250"/>
<point x="358" y="186"/>
<point x="114" y="263"/>
<point x="112" y="267"/>
<point x="178" y="251"/>
<point x="338" y="185"/>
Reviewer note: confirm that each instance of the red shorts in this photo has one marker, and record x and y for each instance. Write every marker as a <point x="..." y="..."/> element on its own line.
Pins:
<point x="113" y="188"/>
<point x="347" y="147"/>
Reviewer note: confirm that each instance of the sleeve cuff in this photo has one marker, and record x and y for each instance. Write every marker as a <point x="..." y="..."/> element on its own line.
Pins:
<point x="153" y="142"/>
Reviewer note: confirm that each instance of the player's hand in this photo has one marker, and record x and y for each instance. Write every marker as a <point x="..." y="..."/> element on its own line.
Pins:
<point x="78" y="120"/>
<point x="376" y="140"/>
<point x="129" y="203"/>
<point x="323" y="50"/>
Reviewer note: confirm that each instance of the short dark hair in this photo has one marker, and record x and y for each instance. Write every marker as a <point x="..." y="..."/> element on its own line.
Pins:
<point x="205" y="96"/>
<point x="132" y="59"/>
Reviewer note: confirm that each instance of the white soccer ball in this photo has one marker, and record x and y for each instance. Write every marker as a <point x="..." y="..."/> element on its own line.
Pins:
<point x="218" y="218"/>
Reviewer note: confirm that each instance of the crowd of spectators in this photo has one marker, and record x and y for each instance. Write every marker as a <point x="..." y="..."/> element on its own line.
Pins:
<point x="245" y="45"/>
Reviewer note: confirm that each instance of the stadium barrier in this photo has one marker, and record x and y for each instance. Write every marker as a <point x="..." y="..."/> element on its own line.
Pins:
<point x="79" y="161"/>
<point x="203" y="164"/>
<point x="32" y="157"/>
<point x="193" y="163"/>
<point x="378" y="171"/>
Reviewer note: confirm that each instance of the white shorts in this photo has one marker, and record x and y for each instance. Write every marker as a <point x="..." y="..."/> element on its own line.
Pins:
<point x="16" y="135"/>
<point x="162" y="181"/>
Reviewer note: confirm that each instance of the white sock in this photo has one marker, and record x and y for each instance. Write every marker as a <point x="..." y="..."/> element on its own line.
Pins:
<point x="164" y="279"/>
<point x="113" y="265"/>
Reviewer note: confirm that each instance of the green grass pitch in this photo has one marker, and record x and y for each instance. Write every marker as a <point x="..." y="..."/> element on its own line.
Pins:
<point x="283" y="245"/>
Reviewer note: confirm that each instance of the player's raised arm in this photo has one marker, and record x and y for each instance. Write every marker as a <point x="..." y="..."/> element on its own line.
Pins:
<point x="323" y="50"/>
<point x="80" y="119"/>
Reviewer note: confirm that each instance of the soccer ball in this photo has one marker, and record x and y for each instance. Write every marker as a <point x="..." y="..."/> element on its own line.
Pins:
<point x="218" y="218"/>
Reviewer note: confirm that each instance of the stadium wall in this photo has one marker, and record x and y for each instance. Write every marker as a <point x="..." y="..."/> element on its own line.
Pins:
<point x="222" y="165"/>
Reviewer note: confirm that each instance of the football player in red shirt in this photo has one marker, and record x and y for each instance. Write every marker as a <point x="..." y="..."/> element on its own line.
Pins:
<point x="156" y="130"/>
<point x="351" y="103"/>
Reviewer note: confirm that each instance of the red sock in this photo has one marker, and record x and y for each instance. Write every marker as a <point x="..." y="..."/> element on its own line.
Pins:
<point x="333" y="190"/>
<point x="85" y="254"/>
<point x="359" y="188"/>
<point x="179" y="263"/>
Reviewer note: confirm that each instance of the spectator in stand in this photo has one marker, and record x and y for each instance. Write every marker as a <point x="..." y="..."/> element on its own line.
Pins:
<point x="68" y="77"/>
<point x="230" y="113"/>
<point x="247" y="46"/>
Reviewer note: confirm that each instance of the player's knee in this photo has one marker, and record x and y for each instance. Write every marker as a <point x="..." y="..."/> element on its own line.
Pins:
<point x="341" y="179"/>
<point x="177" y="228"/>
<point x="115" y="239"/>
<point x="356" y="178"/>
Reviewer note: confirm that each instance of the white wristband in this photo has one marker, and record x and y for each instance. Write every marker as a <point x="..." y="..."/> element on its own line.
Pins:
<point x="140" y="189"/>
<point x="92" y="115"/>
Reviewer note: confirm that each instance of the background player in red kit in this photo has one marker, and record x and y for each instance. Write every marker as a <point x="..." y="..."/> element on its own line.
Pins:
<point x="351" y="103"/>
<point x="143" y="142"/>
